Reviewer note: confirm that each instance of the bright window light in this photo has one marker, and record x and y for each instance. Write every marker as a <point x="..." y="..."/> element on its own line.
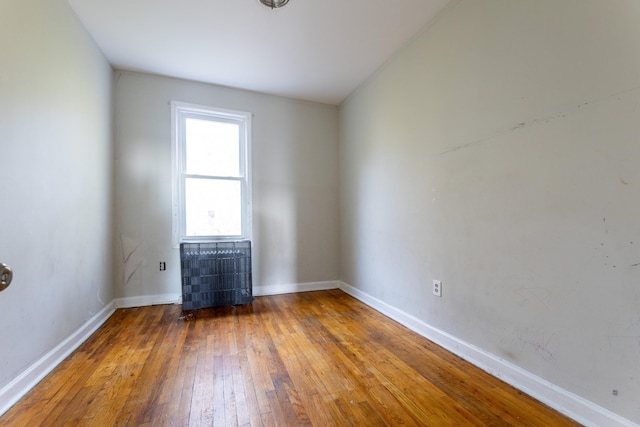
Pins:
<point x="211" y="184"/>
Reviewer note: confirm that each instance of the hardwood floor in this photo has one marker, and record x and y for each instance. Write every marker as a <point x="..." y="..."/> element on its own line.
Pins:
<point x="314" y="359"/>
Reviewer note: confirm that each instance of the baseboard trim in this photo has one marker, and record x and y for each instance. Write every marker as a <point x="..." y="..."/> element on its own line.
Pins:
<point x="573" y="406"/>
<point x="29" y="378"/>
<point x="295" y="287"/>
<point x="563" y="401"/>
<point x="146" y="300"/>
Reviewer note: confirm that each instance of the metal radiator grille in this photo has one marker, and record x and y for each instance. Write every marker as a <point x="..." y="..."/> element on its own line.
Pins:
<point x="215" y="274"/>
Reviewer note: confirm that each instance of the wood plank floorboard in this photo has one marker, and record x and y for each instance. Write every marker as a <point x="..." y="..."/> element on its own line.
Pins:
<point x="308" y="359"/>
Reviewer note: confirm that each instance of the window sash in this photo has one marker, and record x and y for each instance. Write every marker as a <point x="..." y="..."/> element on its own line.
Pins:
<point x="180" y="113"/>
<point x="208" y="201"/>
<point x="215" y="118"/>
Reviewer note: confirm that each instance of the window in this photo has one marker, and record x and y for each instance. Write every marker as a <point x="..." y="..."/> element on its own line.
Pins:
<point x="211" y="182"/>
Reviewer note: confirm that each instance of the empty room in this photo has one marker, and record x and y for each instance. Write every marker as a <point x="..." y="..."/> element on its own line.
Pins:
<point x="302" y="212"/>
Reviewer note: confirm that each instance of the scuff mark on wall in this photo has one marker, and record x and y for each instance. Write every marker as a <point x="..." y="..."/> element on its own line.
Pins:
<point x="129" y="246"/>
<point x="524" y="340"/>
<point x="460" y="147"/>
<point x="130" y="263"/>
<point x="541" y="347"/>
<point x="501" y="132"/>
<point x="538" y="121"/>
<point x="130" y="269"/>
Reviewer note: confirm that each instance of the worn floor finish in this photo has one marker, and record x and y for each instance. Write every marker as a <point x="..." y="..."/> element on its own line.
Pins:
<point x="317" y="358"/>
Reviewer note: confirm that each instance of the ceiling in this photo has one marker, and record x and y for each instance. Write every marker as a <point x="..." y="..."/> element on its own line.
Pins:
<point x="317" y="50"/>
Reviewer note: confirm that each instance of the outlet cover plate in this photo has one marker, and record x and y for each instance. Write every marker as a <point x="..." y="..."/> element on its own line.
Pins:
<point x="437" y="288"/>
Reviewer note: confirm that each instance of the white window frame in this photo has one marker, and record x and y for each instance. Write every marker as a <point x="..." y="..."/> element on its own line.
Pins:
<point x="180" y="111"/>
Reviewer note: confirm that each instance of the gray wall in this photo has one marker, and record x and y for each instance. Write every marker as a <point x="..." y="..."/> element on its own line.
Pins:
<point x="55" y="179"/>
<point x="295" y="196"/>
<point x="498" y="152"/>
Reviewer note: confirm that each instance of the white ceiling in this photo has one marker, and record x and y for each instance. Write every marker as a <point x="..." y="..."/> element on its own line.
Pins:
<point x="318" y="50"/>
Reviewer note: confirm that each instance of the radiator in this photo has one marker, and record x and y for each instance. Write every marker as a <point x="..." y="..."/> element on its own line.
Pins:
<point x="215" y="274"/>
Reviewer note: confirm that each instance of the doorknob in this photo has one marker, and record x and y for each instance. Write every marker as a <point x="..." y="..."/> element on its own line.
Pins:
<point x="5" y="276"/>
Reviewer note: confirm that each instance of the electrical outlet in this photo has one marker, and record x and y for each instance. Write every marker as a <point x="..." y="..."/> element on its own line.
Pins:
<point x="437" y="288"/>
<point x="163" y="266"/>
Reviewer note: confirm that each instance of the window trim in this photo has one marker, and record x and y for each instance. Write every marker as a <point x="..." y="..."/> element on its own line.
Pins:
<point x="179" y="112"/>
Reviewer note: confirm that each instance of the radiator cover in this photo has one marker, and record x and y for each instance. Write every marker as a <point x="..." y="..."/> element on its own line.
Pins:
<point x="215" y="274"/>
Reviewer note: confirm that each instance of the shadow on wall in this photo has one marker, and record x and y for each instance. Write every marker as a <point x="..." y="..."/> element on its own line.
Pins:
<point x="274" y="227"/>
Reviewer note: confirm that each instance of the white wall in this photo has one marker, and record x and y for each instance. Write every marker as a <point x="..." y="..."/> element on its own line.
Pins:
<point x="499" y="152"/>
<point x="55" y="179"/>
<point x="295" y="196"/>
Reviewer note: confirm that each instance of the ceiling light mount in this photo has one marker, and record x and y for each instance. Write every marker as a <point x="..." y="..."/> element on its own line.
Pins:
<point x="274" y="3"/>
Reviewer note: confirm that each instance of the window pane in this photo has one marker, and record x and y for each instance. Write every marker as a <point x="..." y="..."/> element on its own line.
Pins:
<point x="213" y="148"/>
<point x="213" y="207"/>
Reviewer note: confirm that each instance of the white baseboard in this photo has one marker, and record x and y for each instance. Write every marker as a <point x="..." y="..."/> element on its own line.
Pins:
<point x="574" y="406"/>
<point x="294" y="287"/>
<point x="145" y="300"/>
<point x="565" y="402"/>
<point x="16" y="389"/>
